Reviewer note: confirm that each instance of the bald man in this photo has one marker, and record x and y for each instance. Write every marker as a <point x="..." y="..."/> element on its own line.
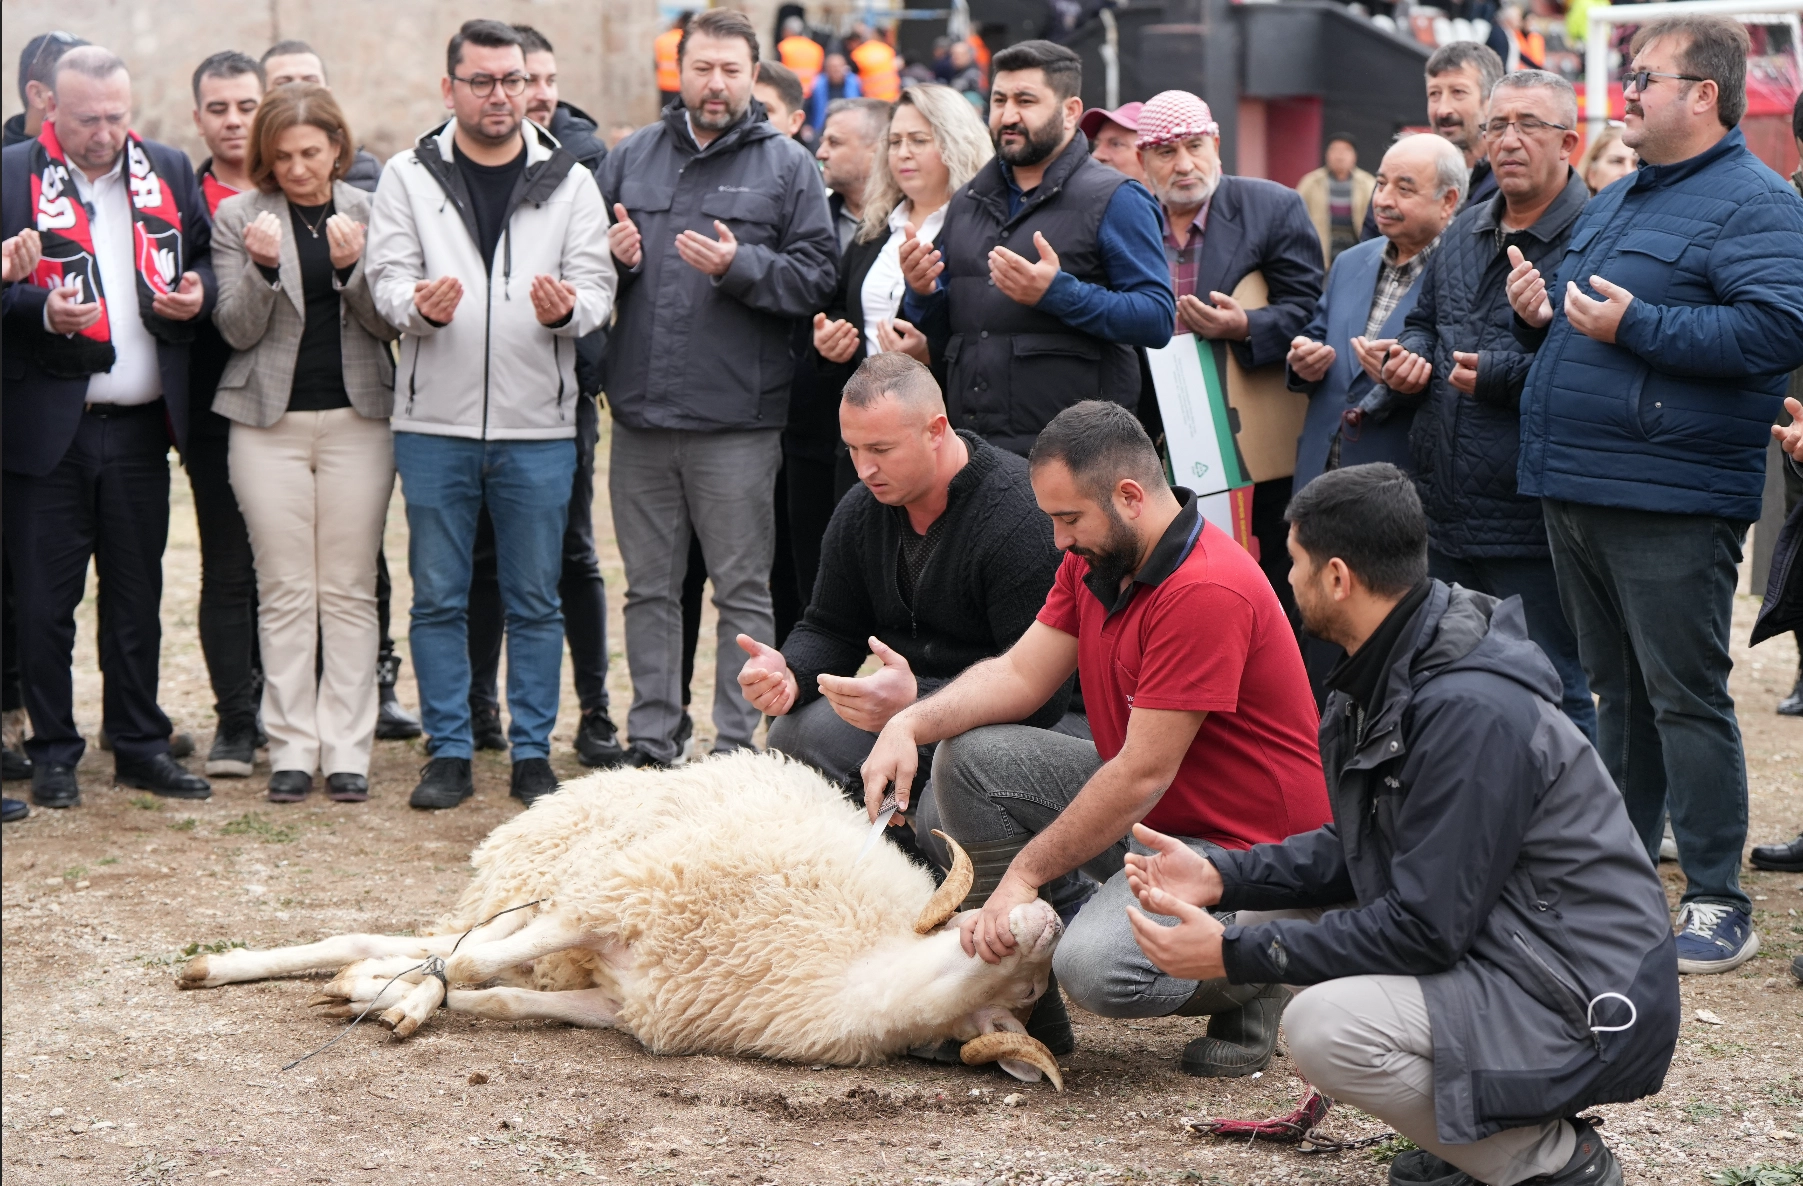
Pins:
<point x="938" y="559"/>
<point x="1338" y="356"/>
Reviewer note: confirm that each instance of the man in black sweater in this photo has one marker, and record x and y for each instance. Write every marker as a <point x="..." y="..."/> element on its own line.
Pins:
<point x="940" y="559"/>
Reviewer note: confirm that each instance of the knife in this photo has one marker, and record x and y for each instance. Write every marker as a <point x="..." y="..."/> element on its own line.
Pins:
<point x="883" y="816"/>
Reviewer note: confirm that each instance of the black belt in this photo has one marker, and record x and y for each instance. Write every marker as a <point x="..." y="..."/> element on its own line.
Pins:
<point x="111" y="411"/>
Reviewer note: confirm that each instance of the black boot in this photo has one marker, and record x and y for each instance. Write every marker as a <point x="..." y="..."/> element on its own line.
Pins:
<point x="1050" y="1021"/>
<point x="1792" y="705"/>
<point x="485" y="726"/>
<point x="1239" y="1042"/>
<point x="393" y="723"/>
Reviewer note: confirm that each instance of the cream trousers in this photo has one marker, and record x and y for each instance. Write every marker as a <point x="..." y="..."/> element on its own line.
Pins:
<point x="314" y="490"/>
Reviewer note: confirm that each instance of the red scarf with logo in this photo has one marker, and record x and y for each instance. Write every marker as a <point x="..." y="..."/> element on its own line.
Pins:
<point x="68" y="242"/>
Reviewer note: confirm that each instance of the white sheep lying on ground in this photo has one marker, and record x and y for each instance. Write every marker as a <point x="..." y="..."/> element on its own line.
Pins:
<point x="716" y="908"/>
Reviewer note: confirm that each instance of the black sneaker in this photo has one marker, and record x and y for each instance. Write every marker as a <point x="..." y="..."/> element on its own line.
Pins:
<point x="53" y="785"/>
<point x="597" y="741"/>
<point x="234" y="750"/>
<point x="160" y="776"/>
<point x="393" y="723"/>
<point x="443" y="782"/>
<point x="639" y="759"/>
<point x="685" y="739"/>
<point x="14" y="765"/>
<point x="532" y="780"/>
<point x="485" y="727"/>
<point x="13" y="810"/>
<point x="1591" y="1163"/>
<point x="347" y="788"/>
<point x="1418" y="1167"/>
<point x="1779" y="858"/>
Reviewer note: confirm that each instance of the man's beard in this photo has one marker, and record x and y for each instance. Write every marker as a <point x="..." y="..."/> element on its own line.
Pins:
<point x="1041" y="142"/>
<point x="477" y="132"/>
<point x="541" y="115"/>
<point x="716" y="123"/>
<point x="1118" y="557"/>
<point x="1184" y="200"/>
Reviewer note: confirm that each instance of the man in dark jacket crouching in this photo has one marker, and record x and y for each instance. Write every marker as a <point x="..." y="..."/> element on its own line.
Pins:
<point x="1503" y="959"/>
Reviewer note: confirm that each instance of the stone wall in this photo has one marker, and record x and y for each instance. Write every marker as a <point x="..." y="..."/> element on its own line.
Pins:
<point x="384" y="60"/>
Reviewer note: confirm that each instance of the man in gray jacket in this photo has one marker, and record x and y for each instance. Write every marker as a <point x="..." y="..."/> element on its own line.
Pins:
<point x="722" y="241"/>
<point x="1502" y="960"/>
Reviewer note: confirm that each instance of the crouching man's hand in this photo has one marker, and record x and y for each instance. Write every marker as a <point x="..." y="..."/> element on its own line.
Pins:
<point x="1191" y="950"/>
<point x="891" y="767"/>
<point x="766" y="679"/>
<point x="868" y="702"/>
<point x="986" y="932"/>
<point x="1173" y="867"/>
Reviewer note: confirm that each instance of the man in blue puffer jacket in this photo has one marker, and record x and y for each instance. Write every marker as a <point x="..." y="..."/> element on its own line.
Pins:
<point x="1664" y="345"/>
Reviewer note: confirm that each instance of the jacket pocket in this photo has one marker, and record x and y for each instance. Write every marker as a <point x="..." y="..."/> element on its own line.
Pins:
<point x="1049" y="373"/>
<point x="640" y="195"/>
<point x="1645" y="263"/>
<point x="1549" y="987"/>
<point x="238" y="369"/>
<point x="752" y="216"/>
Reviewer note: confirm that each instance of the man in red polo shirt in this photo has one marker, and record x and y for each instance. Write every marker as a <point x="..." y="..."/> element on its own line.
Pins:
<point x="1204" y="726"/>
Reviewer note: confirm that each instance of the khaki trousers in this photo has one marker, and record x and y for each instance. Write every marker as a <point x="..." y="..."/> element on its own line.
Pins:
<point x="1366" y="1041"/>
<point x="314" y="489"/>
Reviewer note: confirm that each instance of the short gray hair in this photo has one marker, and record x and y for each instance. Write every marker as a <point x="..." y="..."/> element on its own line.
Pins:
<point x="875" y="112"/>
<point x="1461" y="55"/>
<point x="1543" y="80"/>
<point x="89" y="61"/>
<point x="1450" y="171"/>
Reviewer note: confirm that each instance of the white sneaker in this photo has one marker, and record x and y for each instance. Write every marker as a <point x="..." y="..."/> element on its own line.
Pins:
<point x="1668" y="847"/>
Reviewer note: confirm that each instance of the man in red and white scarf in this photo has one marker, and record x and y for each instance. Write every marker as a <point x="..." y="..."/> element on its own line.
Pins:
<point x="96" y="391"/>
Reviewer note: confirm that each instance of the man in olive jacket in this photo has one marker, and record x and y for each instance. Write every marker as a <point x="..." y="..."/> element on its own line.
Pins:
<point x="1502" y="959"/>
<point x="723" y="241"/>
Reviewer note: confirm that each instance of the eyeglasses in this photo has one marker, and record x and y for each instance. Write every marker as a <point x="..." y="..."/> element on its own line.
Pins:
<point x="1529" y="126"/>
<point x="1639" y="78"/>
<point x="483" y="85"/>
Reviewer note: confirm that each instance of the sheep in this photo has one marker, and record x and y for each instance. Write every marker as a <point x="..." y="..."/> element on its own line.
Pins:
<point x="721" y="908"/>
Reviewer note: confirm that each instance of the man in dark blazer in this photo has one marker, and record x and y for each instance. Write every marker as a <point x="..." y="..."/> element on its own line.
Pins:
<point x="1217" y="230"/>
<point x="96" y="390"/>
<point x="1352" y="417"/>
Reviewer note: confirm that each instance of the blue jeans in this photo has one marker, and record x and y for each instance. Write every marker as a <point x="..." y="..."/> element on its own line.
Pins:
<point x="1651" y="597"/>
<point x="526" y="487"/>
<point x="1534" y="582"/>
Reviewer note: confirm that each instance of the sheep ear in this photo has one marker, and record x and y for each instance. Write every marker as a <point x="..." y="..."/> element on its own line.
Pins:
<point x="946" y="899"/>
<point x="1018" y="1054"/>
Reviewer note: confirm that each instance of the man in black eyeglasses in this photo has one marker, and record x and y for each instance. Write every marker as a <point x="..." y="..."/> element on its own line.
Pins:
<point x="1459" y="358"/>
<point x="488" y="247"/>
<point x="1666" y="335"/>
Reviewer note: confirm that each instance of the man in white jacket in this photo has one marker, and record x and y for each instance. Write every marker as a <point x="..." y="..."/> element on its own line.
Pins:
<point x="488" y="249"/>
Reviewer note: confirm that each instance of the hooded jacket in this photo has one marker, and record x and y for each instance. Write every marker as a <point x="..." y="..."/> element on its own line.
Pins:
<point x="492" y="372"/>
<point x="695" y="352"/>
<point x="1490" y="855"/>
<point x="1465" y="446"/>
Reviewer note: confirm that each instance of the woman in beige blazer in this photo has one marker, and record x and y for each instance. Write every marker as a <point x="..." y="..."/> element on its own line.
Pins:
<point x="309" y="391"/>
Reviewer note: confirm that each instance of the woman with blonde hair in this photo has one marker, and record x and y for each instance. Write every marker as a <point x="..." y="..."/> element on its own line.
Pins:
<point x="1607" y="160"/>
<point x="936" y="142"/>
<point x="309" y="391"/>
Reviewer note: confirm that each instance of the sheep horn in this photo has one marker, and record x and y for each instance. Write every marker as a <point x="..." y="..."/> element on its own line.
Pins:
<point x="946" y="899"/>
<point x="1006" y="1044"/>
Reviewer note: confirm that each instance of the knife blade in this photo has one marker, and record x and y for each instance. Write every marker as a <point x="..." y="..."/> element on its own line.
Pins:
<point x="883" y="816"/>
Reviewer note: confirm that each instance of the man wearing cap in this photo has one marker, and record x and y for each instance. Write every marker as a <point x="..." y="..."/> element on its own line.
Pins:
<point x="1112" y="136"/>
<point x="1218" y="230"/>
<point x="1046" y="273"/>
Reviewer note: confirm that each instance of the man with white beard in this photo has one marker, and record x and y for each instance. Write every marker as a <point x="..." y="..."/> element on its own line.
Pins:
<point x="1217" y="229"/>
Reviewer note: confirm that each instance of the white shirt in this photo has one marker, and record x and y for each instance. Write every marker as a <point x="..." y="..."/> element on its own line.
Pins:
<point x="883" y="284"/>
<point x="134" y="378"/>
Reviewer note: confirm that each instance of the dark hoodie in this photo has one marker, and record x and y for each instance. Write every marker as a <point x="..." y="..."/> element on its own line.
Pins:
<point x="575" y="129"/>
<point x="1490" y="856"/>
<point x="690" y="351"/>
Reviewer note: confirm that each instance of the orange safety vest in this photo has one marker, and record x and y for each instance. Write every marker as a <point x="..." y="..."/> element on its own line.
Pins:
<point x="877" y="75"/>
<point x="1532" y="47"/>
<point x="804" y="56"/>
<point x="669" y="71"/>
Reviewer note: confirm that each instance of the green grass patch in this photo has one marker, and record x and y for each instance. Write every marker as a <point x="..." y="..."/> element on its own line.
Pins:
<point x="255" y="823"/>
<point x="1387" y="1150"/>
<point x="184" y="825"/>
<point x="145" y="802"/>
<point x="75" y="872"/>
<point x="189" y="952"/>
<point x="1764" y="1173"/>
<point x="107" y="861"/>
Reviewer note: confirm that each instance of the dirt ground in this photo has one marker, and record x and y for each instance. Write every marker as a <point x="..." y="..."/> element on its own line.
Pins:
<point x="112" y="1075"/>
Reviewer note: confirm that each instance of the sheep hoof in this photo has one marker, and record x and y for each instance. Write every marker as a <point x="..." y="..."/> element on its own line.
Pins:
<point x="343" y="1009"/>
<point x="196" y="975"/>
<point x="393" y="1018"/>
<point x="406" y="1027"/>
<point x="324" y="998"/>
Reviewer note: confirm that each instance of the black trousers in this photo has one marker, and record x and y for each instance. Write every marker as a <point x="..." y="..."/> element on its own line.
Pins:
<point x="107" y="500"/>
<point x="11" y="694"/>
<point x="812" y="493"/>
<point x="581" y="587"/>
<point x="228" y="582"/>
<point x="1269" y="501"/>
